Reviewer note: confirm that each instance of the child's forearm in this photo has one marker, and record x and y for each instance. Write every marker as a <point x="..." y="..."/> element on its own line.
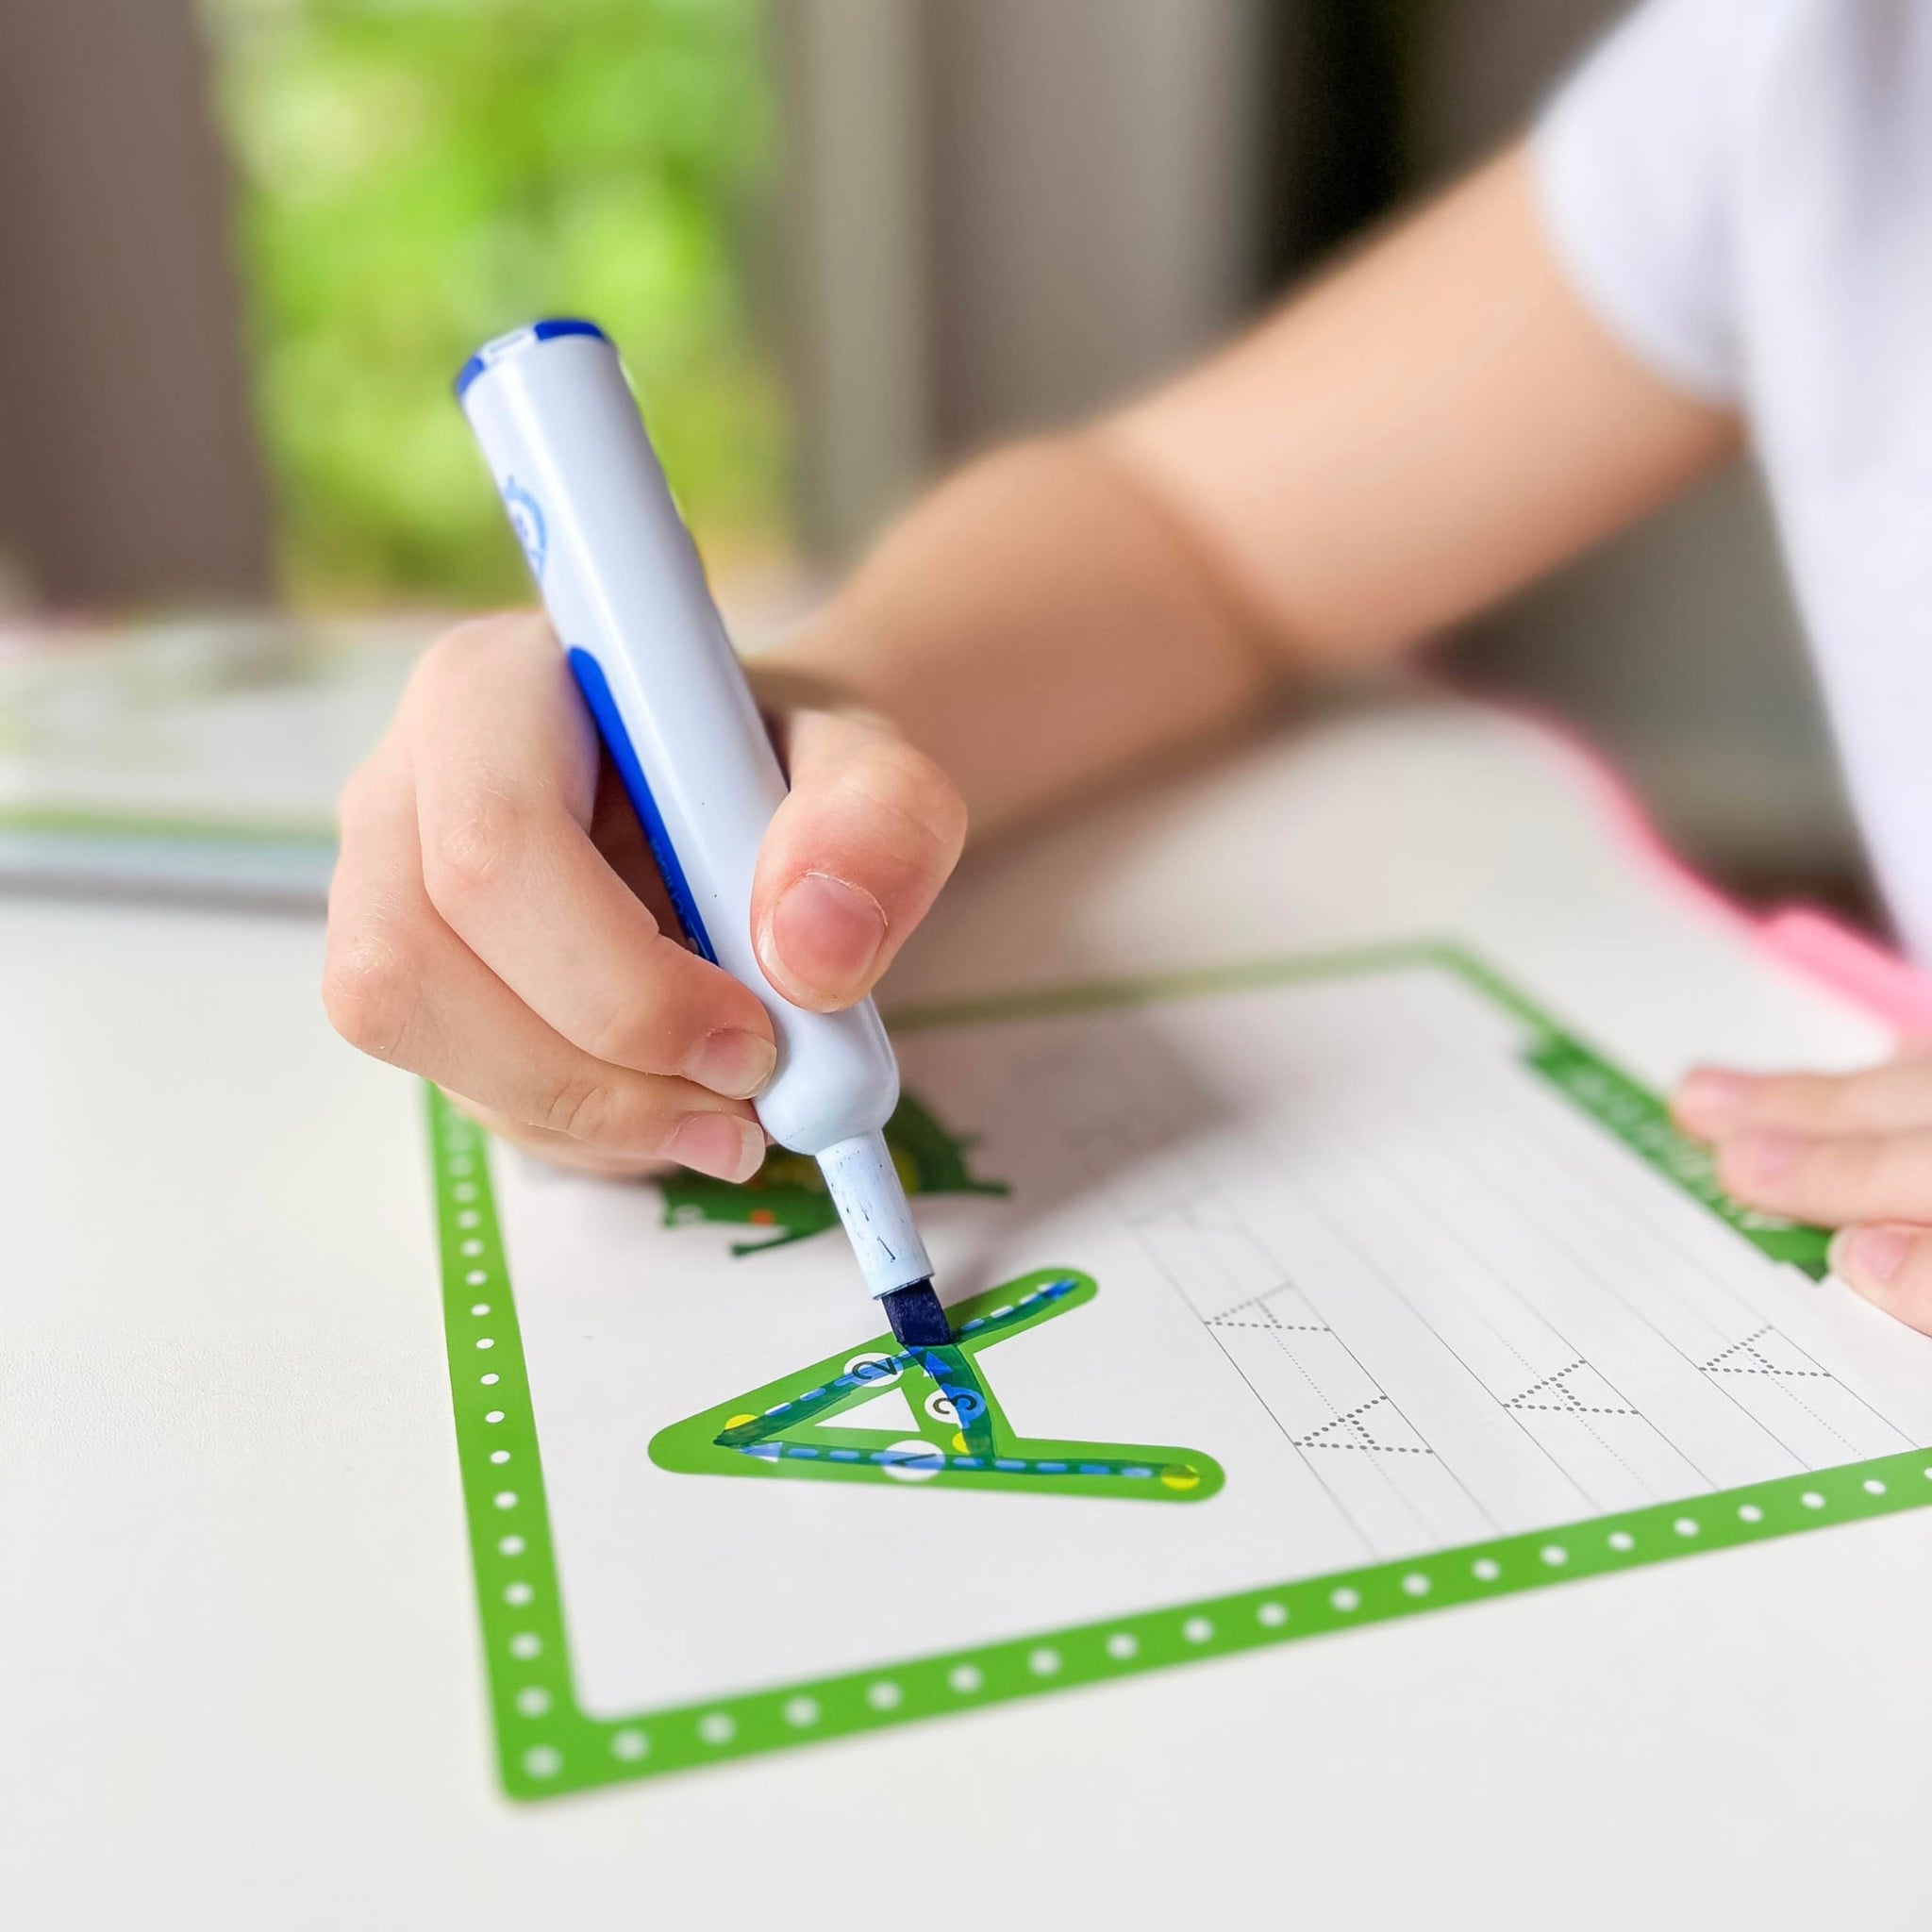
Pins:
<point x="1421" y="433"/>
<point x="1037" y="622"/>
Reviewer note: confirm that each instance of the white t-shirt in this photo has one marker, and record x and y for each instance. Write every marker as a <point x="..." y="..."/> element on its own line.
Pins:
<point x="1741" y="192"/>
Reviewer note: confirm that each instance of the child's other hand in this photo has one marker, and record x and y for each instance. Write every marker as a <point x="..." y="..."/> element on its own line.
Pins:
<point x="496" y="925"/>
<point x="1850" y="1151"/>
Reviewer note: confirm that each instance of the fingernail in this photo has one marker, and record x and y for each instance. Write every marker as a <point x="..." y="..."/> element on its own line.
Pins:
<point x="719" y="1145"/>
<point x="1764" y="1156"/>
<point x="733" y="1060"/>
<point x="1708" y="1100"/>
<point x="1866" y="1255"/>
<point x="822" y="938"/>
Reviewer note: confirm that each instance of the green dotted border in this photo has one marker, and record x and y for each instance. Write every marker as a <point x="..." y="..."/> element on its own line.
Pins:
<point x="547" y="1745"/>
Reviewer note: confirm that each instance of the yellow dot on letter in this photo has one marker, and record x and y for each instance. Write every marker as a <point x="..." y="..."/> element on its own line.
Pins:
<point x="959" y="1441"/>
<point x="1180" y="1477"/>
<point x="738" y="1422"/>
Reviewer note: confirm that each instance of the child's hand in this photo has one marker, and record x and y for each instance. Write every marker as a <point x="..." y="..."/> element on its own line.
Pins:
<point x="1852" y="1152"/>
<point x="496" y="923"/>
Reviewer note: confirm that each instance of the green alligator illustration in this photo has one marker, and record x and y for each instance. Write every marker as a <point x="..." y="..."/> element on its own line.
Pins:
<point x="788" y="1195"/>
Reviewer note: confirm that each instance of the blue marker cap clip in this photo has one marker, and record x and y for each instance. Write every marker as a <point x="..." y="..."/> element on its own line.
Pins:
<point x="493" y="351"/>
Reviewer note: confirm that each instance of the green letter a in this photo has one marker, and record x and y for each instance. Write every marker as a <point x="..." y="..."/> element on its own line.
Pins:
<point x="944" y="1426"/>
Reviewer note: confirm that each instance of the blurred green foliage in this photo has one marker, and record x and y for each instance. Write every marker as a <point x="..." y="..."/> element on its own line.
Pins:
<point x="417" y="176"/>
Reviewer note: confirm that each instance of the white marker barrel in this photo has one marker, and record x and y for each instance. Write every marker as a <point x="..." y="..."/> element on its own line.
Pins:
<point x="621" y="578"/>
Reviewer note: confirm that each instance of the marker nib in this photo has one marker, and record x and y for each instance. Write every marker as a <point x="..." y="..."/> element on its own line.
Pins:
<point x="917" y="1318"/>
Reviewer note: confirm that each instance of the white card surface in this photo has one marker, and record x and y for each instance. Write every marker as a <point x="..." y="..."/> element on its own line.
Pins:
<point x="1389" y="1266"/>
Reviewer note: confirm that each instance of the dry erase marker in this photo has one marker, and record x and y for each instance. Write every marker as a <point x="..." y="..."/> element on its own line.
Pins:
<point x="622" y="581"/>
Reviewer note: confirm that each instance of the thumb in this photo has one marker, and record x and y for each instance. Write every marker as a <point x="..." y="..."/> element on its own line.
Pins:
<point x="854" y="858"/>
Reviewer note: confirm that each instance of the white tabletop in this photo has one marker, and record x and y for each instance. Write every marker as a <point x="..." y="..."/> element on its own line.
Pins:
<point x="239" y="1673"/>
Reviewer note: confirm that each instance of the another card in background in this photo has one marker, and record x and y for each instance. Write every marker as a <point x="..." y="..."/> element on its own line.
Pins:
<point x="1302" y="1295"/>
<point x="193" y="758"/>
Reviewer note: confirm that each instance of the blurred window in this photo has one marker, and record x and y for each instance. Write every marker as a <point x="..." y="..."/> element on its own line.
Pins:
<point x="416" y="176"/>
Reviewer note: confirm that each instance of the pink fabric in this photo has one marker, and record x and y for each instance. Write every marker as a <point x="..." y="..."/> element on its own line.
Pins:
<point x="1849" y="963"/>
<point x="1852" y="964"/>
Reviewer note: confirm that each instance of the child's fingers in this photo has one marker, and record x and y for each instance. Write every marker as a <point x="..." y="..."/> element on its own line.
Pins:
<point x="400" y="985"/>
<point x="505" y="779"/>
<point x="1834" y="1179"/>
<point x="854" y="858"/>
<point x="559" y="1150"/>
<point x="1714" y="1103"/>
<point x="1890" y="1267"/>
